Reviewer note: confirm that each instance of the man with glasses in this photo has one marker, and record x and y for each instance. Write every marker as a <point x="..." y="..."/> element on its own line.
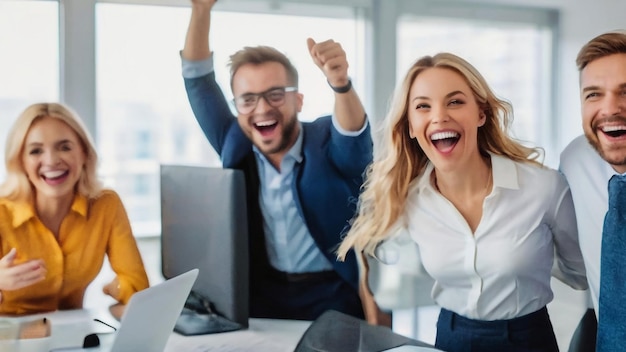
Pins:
<point x="302" y="179"/>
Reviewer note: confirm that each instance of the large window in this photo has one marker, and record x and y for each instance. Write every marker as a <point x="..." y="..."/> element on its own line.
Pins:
<point x="143" y="116"/>
<point x="29" y="63"/>
<point x="139" y="113"/>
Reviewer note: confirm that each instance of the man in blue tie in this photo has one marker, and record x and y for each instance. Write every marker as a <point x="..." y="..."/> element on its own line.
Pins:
<point x="595" y="167"/>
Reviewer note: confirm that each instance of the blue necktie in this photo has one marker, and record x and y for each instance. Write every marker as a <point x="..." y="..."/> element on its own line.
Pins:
<point x="612" y="314"/>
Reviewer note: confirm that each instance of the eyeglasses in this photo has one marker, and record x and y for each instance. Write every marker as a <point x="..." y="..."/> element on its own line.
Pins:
<point x="246" y="103"/>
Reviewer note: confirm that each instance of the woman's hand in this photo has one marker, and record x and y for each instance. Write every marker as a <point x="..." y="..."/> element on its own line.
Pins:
<point x="14" y="277"/>
<point x="373" y="314"/>
<point x="112" y="288"/>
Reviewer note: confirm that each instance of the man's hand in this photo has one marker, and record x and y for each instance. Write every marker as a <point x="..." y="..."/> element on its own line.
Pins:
<point x="330" y="57"/>
<point x="14" y="277"/>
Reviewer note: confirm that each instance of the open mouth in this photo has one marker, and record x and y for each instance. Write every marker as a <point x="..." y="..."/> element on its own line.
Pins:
<point x="445" y="141"/>
<point x="614" y="131"/>
<point x="266" y="127"/>
<point x="54" y="176"/>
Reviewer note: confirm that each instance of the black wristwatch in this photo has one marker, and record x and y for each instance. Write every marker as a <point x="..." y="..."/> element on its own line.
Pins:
<point x="344" y="89"/>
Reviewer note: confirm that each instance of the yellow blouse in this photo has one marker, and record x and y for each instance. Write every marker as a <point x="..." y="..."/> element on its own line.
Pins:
<point x="91" y="229"/>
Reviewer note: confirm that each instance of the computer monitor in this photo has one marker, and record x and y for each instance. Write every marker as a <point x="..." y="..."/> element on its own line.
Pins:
<point x="204" y="226"/>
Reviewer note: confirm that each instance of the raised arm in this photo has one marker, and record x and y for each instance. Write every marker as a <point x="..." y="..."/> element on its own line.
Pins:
<point x="197" y="40"/>
<point x="206" y="98"/>
<point x="330" y="57"/>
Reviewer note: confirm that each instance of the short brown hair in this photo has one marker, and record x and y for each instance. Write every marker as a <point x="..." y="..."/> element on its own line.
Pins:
<point x="259" y="55"/>
<point x="603" y="45"/>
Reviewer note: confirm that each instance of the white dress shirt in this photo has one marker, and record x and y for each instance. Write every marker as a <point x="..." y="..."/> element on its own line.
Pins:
<point x="588" y="176"/>
<point x="503" y="270"/>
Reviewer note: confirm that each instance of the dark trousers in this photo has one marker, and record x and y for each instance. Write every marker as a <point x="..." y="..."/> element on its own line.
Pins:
<point x="303" y="296"/>
<point x="529" y="333"/>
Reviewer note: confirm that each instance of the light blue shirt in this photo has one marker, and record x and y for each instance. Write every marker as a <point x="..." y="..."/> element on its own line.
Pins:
<point x="290" y="246"/>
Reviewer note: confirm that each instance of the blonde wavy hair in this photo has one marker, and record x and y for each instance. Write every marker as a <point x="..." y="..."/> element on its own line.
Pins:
<point x="400" y="159"/>
<point x="17" y="187"/>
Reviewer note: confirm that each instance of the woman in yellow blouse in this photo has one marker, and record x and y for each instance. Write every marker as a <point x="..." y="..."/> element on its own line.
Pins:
<point x="56" y="221"/>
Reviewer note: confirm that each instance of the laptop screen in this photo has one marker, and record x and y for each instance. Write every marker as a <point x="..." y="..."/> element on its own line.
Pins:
<point x="144" y="328"/>
<point x="204" y="226"/>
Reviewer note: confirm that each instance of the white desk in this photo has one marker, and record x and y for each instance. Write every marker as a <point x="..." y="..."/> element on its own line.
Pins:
<point x="69" y="328"/>
<point x="263" y="335"/>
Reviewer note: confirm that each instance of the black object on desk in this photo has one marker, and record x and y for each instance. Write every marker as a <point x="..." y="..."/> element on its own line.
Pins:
<point x="334" y="331"/>
<point x="199" y="318"/>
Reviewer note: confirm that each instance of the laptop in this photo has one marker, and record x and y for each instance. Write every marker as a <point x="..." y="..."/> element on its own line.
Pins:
<point x="149" y="317"/>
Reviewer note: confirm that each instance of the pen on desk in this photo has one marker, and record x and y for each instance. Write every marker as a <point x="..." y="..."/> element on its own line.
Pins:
<point x="101" y="322"/>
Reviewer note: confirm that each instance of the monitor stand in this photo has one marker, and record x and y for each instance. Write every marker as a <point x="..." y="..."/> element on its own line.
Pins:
<point x="199" y="318"/>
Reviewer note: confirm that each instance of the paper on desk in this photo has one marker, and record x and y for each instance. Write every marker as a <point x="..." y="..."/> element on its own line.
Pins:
<point x="254" y="343"/>
<point x="69" y="317"/>
<point x="83" y="320"/>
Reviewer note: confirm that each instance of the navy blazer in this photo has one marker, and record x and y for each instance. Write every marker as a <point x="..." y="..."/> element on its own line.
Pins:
<point x="326" y="184"/>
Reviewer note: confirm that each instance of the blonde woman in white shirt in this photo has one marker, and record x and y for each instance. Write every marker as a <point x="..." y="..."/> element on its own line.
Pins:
<point x="488" y="218"/>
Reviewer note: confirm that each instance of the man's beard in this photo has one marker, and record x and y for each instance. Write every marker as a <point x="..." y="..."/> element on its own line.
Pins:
<point x="286" y="136"/>
<point x="592" y="138"/>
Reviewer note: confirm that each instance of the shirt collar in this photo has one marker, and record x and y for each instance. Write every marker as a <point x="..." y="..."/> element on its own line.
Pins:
<point x="24" y="211"/>
<point x="503" y="169"/>
<point x="80" y="205"/>
<point x="504" y="172"/>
